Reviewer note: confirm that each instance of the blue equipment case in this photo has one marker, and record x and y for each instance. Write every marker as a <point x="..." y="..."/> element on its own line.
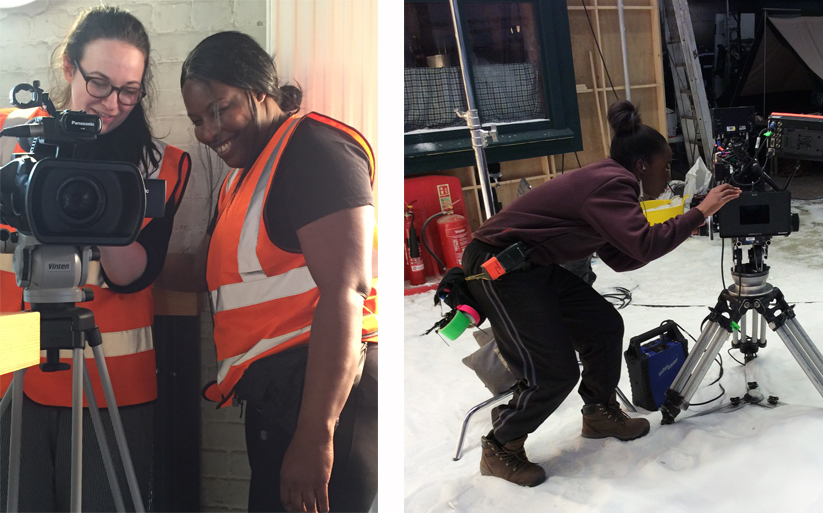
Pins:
<point x="654" y="359"/>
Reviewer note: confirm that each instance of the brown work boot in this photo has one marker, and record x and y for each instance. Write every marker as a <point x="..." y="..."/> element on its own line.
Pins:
<point x="605" y="420"/>
<point x="509" y="462"/>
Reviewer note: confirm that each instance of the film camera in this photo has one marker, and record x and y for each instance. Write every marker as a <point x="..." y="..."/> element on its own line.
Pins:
<point x="764" y="208"/>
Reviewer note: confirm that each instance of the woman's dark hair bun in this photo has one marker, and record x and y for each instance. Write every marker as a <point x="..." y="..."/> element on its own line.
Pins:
<point x="290" y="99"/>
<point x="623" y="117"/>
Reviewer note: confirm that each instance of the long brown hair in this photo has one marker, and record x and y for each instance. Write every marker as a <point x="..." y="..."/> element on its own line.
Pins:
<point x="132" y="140"/>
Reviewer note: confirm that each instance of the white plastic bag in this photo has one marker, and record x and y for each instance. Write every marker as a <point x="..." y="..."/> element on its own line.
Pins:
<point x="697" y="182"/>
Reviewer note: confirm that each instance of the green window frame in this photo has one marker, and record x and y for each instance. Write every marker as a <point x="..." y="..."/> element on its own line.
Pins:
<point x="435" y="150"/>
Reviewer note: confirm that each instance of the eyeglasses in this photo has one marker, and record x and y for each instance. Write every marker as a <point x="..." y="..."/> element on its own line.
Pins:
<point x="102" y="88"/>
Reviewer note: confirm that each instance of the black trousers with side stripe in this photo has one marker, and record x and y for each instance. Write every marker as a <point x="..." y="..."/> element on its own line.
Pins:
<point x="540" y="317"/>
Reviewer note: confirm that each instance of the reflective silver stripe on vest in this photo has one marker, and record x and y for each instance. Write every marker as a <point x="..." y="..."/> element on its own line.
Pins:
<point x="248" y="265"/>
<point x="230" y="179"/>
<point x="223" y="366"/>
<point x="256" y="287"/>
<point x="239" y="295"/>
<point x="118" y="343"/>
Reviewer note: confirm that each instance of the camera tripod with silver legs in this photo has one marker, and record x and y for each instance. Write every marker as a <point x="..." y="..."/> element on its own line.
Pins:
<point x="68" y="327"/>
<point x="749" y="292"/>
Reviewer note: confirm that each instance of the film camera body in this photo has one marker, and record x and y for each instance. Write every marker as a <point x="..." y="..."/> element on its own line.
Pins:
<point x="763" y="209"/>
<point x="61" y="207"/>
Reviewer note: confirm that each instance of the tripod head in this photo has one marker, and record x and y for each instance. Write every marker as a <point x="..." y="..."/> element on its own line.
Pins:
<point x="51" y="277"/>
<point x="750" y="276"/>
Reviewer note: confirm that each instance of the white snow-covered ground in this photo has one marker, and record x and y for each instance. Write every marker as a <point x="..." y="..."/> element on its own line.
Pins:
<point x="753" y="459"/>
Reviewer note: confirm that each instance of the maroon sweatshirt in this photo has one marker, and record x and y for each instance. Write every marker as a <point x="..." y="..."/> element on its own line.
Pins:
<point x="593" y="209"/>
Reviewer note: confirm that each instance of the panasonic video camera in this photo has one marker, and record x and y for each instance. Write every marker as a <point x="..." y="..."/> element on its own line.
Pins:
<point x="48" y="195"/>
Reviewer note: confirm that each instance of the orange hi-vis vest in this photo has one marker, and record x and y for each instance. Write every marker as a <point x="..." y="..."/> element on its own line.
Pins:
<point x="124" y="320"/>
<point x="263" y="298"/>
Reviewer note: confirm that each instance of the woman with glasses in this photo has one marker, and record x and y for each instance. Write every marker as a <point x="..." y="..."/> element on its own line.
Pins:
<point x="543" y="315"/>
<point x="105" y="64"/>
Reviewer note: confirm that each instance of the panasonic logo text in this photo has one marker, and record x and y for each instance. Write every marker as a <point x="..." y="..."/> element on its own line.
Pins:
<point x="83" y="123"/>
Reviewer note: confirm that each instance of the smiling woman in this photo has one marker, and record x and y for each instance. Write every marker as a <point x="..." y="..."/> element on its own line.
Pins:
<point x="290" y="279"/>
<point x="223" y="120"/>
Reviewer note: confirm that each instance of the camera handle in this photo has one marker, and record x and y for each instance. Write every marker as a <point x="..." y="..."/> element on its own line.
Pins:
<point x="39" y="98"/>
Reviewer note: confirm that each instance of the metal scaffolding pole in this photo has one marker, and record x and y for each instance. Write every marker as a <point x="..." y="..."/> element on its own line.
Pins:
<point x="478" y="135"/>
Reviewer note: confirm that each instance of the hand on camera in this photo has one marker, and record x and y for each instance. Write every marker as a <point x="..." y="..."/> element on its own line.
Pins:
<point x="717" y="197"/>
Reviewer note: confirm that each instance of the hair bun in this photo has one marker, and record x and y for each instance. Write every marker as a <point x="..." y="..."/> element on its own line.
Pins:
<point x="290" y="99"/>
<point x="623" y="117"/>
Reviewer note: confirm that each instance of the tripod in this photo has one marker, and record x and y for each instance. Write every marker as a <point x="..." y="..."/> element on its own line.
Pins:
<point x="64" y="326"/>
<point x="748" y="292"/>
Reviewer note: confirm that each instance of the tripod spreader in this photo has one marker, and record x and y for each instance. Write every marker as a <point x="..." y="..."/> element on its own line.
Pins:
<point x="722" y="321"/>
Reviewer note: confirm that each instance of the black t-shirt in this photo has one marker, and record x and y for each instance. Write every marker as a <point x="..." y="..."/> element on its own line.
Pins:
<point x="322" y="171"/>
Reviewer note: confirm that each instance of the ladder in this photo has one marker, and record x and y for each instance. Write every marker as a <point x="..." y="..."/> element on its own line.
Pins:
<point x="692" y="105"/>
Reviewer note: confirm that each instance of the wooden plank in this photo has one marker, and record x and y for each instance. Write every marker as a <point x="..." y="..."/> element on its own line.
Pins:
<point x="599" y="110"/>
<point x="658" y="68"/>
<point x="19" y="341"/>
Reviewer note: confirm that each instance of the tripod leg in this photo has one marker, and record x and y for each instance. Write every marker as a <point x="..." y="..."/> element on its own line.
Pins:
<point x="693" y="371"/>
<point x="717" y="341"/>
<point x="119" y="433"/>
<point x="15" y="441"/>
<point x="78" y="364"/>
<point x="806" y="342"/>
<point x="691" y="361"/>
<point x="803" y="350"/>
<point x="6" y="401"/>
<point x="94" y="412"/>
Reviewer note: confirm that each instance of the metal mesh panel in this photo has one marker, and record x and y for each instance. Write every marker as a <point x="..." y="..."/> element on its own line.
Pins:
<point x="504" y="93"/>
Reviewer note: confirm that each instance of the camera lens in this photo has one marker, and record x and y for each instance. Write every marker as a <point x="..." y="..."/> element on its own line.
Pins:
<point x="80" y="201"/>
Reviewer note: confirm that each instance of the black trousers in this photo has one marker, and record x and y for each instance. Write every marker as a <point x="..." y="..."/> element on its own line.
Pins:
<point x="353" y="483"/>
<point x="540" y="317"/>
<point x="45" y="466"/>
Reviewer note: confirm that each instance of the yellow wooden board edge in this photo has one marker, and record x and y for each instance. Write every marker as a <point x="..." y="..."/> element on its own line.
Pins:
<point x="19" y="340"/>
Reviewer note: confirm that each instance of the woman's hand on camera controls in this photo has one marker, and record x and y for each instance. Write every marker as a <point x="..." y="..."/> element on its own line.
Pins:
<point x="718" y="197"/>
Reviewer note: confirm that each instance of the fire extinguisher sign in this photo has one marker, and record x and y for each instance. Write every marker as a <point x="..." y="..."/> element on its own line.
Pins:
<point x="445" y="197"/>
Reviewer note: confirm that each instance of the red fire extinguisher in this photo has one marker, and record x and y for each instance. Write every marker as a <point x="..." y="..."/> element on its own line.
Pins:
<point x="454" y="237"/>
<point x="417" y="273"/>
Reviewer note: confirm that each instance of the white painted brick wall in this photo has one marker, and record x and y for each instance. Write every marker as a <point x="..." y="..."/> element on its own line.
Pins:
<point x="28" y="36"/>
